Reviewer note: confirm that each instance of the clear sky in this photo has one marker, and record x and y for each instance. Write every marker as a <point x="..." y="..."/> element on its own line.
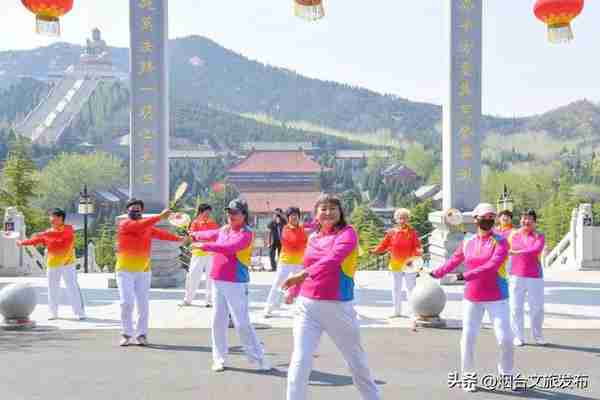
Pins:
<point x="391" y="46"/>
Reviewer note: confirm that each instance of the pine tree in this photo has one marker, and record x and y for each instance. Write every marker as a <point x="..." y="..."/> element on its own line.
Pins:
<point x="370" y="230"/>
<point x="105" y="250"/>
<point x="19" y="183"/>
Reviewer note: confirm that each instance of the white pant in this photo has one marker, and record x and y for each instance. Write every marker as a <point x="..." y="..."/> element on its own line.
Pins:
<point x="274" y="299"/>
<point x="200" y="265"/>
<point x="533" y="289"/>
<point x="338" y="319"/>
<point x="410" y="280"/>
<point x="69" y="276"/>
<point x="134" y="288"/>
<point x="232" y="298"/>
<point x="499" y="315"/>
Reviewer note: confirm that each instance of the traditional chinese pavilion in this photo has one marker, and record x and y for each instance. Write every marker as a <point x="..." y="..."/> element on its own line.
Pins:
<point x="276" y="179"/>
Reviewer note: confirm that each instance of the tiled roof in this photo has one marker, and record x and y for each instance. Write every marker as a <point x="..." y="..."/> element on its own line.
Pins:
<point x="277" y="161"/>
<point x="264" y="202"/>
<point x="358" y="154"/>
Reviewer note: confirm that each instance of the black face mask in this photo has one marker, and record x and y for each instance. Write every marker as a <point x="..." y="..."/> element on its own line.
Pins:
<point x="134" y="214"/>
<point x="485" y="224"/>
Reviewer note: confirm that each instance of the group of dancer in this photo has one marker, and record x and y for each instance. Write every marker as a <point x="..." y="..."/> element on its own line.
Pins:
<point x="317" y="264"/>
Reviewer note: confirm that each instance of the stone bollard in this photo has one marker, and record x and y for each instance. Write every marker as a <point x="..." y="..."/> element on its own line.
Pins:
<point x="17" y="302"/>
<point x="428" y="300"/>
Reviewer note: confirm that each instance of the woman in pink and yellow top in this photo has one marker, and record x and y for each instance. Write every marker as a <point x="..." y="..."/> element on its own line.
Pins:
<point x="505" y="225"/>
<point x="326" y="289"/>
<point x="484" y="256"/>
<point x="527" y="278"/>
<point x="403" y="244"/>
<point x="293" y="244"/>
<point x="59" y="241"/>
<point x="232" y="251"/>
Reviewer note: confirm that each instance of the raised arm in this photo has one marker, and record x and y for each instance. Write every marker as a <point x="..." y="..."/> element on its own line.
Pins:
<point x="34" y="241"/>
<point x="161" y="234"/>
<point x="457" y="258"/>
<point x="534" y="248"/>
<point x="141" y="224"/>
<point x="231" y="245"/>
<point x="205" y="236"/>
<point x="385" y="243"/>
<point x="493" y="264"/>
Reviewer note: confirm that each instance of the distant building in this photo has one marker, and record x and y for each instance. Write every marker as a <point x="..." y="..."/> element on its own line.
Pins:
<point x="398" y="173"/>
<point x="357" y="158"/>
<point x="306" y="147"/>
<point x="276" y="179"/>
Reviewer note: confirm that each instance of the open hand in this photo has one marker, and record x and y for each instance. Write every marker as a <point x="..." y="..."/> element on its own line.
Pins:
<point x="294" y="280"/>
<point x="165" y="213"/>
<point x="289" y="299"/>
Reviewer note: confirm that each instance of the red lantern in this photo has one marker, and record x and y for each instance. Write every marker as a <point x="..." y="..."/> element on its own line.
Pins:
<point x="48" y="13"/>
<point x="218" y="187"/>
<point x="311" y="10"/>
<point x="558" y="14"/>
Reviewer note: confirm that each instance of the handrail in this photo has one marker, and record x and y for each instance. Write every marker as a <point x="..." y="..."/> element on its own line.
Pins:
<point x="560" y="248"/>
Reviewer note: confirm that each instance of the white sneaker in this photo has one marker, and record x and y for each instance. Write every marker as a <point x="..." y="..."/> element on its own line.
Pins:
<point x="395" y="316"/>
<point x="518" y="342"/>
<point x="184" y="304"/>
<point x="125" y="341"/>
<point x="218" y="367"/>
<point x="264" y="365"/>
<point x="267" y="315"/>
<point x="541" y="342"/>
<point x="82" y="318"/>
<point x="142" y="340"/>
<point x="52" y="317"/>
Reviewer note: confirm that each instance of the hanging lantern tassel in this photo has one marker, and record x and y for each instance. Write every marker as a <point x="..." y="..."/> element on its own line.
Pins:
<point x="311" y="10"/>
<point x="557" y="15"/>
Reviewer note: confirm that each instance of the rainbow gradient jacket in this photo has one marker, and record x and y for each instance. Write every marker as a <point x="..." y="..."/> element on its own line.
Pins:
<point x="485" y="273"/>
<point x="232" y="252"/>
<point x="330" y="260"/>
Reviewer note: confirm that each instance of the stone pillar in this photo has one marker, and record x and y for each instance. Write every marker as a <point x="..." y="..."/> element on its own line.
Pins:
<point x="11" y="256"/>
<point x="149" y="133"/>
<point x="149" y="79"/>
<point x="461" y="156"/>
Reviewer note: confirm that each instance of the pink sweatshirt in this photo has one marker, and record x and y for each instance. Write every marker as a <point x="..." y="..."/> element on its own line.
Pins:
<point x="485" y="267"/>
<point x="504" y="232"/>
<point x="527" y="264"/>
<point x="232" y="252"/>
<point x="330" y="260"/>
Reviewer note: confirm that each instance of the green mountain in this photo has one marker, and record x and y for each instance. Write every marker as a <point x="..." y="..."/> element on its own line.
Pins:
<point x="219" y="87"/>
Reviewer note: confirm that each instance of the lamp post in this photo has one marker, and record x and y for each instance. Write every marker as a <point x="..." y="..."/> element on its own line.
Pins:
<point x="86" y="207"/>
<point x="505" y="202"/>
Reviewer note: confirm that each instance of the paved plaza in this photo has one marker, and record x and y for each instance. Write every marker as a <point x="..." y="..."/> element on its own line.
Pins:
<point x="68" y="359"/>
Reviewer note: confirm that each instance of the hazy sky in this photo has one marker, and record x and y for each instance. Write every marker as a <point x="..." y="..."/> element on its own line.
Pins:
<point x="391" y="46"/>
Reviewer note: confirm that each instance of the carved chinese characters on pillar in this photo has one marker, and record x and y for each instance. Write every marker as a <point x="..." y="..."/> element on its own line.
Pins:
<point x="149" y="102"/>
<point x="464" y="107"/>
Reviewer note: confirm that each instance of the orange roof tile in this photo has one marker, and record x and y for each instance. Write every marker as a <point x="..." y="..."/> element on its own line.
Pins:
<point x="277" y="161"/>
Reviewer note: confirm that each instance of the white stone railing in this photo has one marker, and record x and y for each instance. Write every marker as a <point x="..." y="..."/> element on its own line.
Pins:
<point x="33" y="262"/>
<point x="558" y="253"/>
<point x="578" y="249"/>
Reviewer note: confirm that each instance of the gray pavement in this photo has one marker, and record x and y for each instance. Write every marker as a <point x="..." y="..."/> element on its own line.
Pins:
<point x="57" y="364"/>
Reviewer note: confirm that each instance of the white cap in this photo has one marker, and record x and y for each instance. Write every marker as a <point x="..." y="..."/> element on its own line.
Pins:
<point x="483" y="209"/>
